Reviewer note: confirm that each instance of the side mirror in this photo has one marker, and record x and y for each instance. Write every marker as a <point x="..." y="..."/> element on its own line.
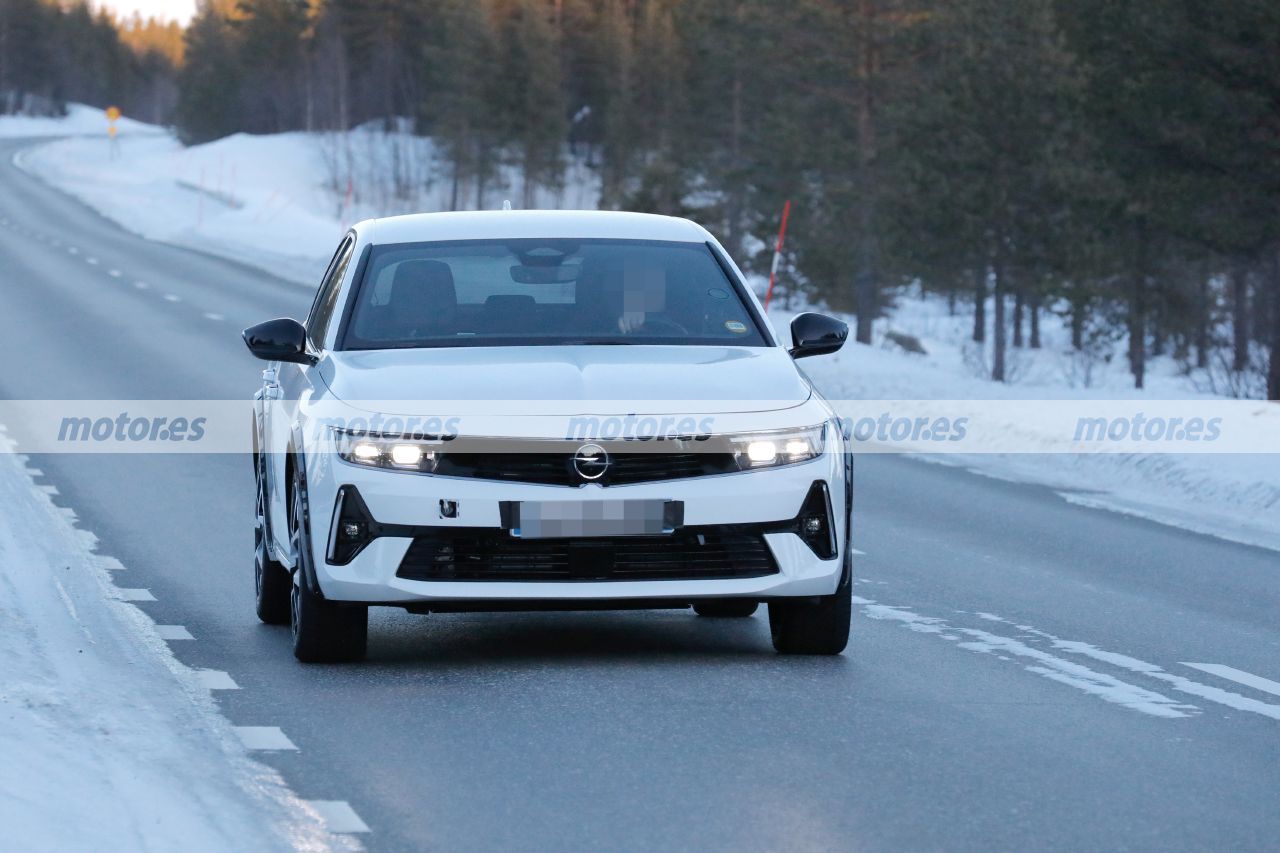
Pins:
<point x="279" y="340"/>
<point x="816" y="334"/>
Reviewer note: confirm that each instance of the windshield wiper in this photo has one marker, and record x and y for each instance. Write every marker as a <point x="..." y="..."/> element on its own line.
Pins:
<point x="587" y="343"/>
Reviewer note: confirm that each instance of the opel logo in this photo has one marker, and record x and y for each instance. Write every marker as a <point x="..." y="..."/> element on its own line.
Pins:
<point x="591" y="461"/>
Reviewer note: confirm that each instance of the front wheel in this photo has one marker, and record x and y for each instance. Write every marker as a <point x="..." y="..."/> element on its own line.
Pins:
<point x="813" y="626"/>
<point x="323" y="631"/>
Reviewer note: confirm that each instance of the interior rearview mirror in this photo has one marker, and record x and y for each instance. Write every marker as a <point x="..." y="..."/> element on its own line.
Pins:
<point x="816" y="334"/>
<point x="282" y="339"/>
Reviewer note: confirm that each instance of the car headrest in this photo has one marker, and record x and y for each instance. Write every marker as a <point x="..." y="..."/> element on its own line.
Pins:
<point x="422" y="286"/>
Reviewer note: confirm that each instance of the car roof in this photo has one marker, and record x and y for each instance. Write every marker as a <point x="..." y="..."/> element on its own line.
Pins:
<point x="518" y="224"/>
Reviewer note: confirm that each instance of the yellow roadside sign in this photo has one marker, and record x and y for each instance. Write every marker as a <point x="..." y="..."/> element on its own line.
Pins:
<point x="113" y="113"/>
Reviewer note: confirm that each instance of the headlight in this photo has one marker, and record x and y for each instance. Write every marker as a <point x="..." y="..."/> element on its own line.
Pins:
<point x="388" y="451"/>
<point x="783" y="447"/>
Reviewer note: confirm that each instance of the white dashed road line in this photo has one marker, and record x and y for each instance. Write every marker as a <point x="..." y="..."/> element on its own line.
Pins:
<point x="338" y="816"/>
<point x="173" y="632"/>
<point x="215" y="679"/>
<point x="1239" y="676"/>
<point x="141" y="285"/>
<point x="91" y="261"/>
<point x="211" y="316"/>
<point x="169" y="297"/>
<point x="113" y="273"/>
<point x="263" y="737"/>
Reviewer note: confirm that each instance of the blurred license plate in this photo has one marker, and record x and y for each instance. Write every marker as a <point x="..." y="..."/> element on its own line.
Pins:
<point x="563" y="519"/>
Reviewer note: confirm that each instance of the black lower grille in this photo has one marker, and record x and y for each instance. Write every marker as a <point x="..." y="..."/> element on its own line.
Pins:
<point x="688" y="554"/>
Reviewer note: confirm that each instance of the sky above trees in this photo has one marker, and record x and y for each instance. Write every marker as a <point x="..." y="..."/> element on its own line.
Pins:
<point x="168" y="10"/>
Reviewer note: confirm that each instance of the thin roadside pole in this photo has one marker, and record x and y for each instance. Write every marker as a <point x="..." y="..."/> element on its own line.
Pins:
<point x="777" y="253"/>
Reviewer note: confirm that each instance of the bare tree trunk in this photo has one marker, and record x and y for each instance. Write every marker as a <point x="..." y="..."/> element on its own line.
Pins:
<point x="980" y="304"/>
<point x="1138" y="326"/>
<point x="1239" y="318"/>
<point x="998" y="329"/>
<point x="1202" y="323"/>
<point x="1019" y="309"/>
<point x="1273" y="374"/>
<point x="1079" y="307"/>
<point x="1035" y="321"/>
<point x="867" y="284"/>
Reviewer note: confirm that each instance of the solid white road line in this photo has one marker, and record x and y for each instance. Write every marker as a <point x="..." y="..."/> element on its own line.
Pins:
<point x="263" y="737"/>
<point x="173" y="632"/>
<point x="136" y="595"/>
<point x="215" y="679"/>
<point x="338" y="816"/>
<point x="1248" y="679"/>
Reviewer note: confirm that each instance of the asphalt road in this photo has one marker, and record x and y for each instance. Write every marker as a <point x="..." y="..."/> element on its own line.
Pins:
<point x="1018" y="675"/>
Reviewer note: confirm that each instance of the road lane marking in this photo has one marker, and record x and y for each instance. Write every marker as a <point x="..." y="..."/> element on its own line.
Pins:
<point x="173" y="632"/>
<point x="169" y="297"/>
<point x="263" y="737"/>
<point x="91" y="261"/>
<point x="857" y="552"/>
<point x="141" y="285"/>
<point x="215" y="679"/>
<point x="1099" y="684"/>
<point x="1248" y="679"/>
<point x="211" y="316"/>
<point x="1150" y="670"/>
<point x="338" y="816"/>
<point x="113" y="273"/>
<point x="72" y="250"/>
<point x="136" y="595"/>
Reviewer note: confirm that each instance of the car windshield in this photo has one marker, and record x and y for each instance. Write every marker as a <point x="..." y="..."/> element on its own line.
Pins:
<point x="545" y="293"/>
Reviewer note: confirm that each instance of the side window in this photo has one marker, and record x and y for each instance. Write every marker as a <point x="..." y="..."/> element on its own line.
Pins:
<point x="327" y="298"/>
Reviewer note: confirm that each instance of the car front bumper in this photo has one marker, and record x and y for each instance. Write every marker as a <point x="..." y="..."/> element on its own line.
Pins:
<point x="409" y="505"/>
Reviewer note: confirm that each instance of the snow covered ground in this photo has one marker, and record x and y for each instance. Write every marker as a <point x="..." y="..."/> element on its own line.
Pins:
<point x="107" y="741"/>
<point x="283" y="201"/>
<point x="78" y="120"/>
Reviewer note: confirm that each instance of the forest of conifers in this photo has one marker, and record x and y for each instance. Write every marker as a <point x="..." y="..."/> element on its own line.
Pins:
<point x="1115" y="163"/>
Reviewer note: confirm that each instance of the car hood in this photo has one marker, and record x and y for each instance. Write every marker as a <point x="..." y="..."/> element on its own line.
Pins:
<point x="569" y="380"/>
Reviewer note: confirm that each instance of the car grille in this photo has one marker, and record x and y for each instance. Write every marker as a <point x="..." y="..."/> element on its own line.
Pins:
<point x="686" y="555"/>
<point x="556" y="469"/>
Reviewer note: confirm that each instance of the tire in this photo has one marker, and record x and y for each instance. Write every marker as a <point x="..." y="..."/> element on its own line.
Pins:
<point x="726" y="608"/>
<point x="271" y="580"/>
<point x="813" y="626"/>
<point x="323" y="631"/>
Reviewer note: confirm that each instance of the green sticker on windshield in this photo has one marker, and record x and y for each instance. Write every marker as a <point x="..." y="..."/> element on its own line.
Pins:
<point x="736" y="327"/>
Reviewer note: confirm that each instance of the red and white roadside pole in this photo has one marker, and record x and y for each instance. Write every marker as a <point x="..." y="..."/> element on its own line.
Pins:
<point x="777" y="254"/>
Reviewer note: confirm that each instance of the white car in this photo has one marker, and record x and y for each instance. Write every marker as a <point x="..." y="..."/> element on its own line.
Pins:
<point x="539" y="411"/>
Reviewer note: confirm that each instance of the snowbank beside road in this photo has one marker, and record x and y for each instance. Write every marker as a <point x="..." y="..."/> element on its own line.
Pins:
<point x="107" y="742"/>
<point x="280" y="202"/>
<point x="256" y="199"/>
<point x="78" y="120"/>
